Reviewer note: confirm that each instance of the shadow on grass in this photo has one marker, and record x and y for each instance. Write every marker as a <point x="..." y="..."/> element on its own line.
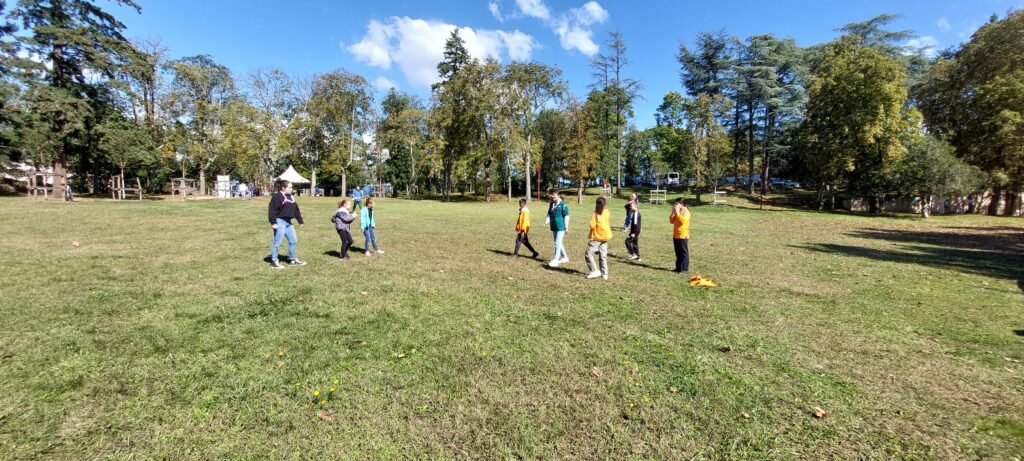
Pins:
<point x="997" y="254"/>
<point x="1018" y="332"/>
<point x="509" y="253"/>
<point x="645" y="266"/>
<point x="564" y="270"/>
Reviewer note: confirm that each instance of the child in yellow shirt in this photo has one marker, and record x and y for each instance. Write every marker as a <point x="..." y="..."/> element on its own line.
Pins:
<point x="600" y="234"/>
<point x="680" y="219"/>
<point x="523" y="230"/>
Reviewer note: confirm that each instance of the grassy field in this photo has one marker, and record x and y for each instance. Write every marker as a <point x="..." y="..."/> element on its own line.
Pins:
<point x="164" y="335"/>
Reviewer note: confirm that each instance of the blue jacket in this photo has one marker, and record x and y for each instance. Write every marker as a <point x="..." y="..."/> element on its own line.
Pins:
<point x="366" y="218"/>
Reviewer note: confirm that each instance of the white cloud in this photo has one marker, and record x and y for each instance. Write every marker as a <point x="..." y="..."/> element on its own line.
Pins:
<point x="925" y="45"/>
<point x="534" y="8"/>
<point x="943" y="24"/>
<point x="574" y="27"/>
<point x="417" y="45"/>
<point x="373" y="48"/>
<point x="495" y="11"/>
<point x="383" y="83"/>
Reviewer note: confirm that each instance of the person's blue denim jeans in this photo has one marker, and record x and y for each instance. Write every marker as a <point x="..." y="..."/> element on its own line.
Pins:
<point x="371" y="237"/>
<point x="285" y="230"/>
<point x="559" y="248"/>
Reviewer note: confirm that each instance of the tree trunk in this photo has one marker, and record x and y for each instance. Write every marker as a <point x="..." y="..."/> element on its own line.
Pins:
<point x="579" y="193"/>
<point x="993" y="205"/>
<point x="1012" y="198"/>
<point x="526" y="168"/>
<point x="122" y="183"/>
<point x="736" y="147"/>
<point x="312" y="182"/>
<point x="202" y="181"/>
<point x="344" y="183"/>
<point x="750" y="146"/>
<point x="926" y="205"/>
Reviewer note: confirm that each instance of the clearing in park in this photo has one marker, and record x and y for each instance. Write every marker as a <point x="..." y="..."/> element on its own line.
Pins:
<point x="154" y="328"/>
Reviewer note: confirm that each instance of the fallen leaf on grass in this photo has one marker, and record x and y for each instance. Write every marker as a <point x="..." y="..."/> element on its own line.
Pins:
<point x="363" y="293"/>
<point x="673" y="389"/>
<point x="76" y="244"/>
<point x="401" y="355"/>
<point x="745" y="415"/>
<point x="797" y="400"/>
<point x="1008" y="369"/>
<point x="595" y="372"/>
<point x="819" y="413"/>
<point x="326" y="415"/>
<point x="280" y="364"/>
<point x="1011" y="360"/>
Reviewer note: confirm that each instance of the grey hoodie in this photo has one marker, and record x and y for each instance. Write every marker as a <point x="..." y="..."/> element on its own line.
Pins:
<point x="341" y="219"/>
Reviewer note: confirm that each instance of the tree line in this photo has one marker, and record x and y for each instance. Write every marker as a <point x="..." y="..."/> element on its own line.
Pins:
<point x="860" y="116"/>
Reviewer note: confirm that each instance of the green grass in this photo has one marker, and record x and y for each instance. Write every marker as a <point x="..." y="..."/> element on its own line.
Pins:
<point x="164" y="335"/>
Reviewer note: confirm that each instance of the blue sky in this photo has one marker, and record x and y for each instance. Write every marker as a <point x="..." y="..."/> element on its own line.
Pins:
<point x="398" y="43"/>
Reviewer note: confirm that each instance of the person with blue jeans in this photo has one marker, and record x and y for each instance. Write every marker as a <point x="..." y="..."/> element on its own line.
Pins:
<point x="280" y="212"/>
<point x="558" y="219"/>
<point x="369" y="226"/>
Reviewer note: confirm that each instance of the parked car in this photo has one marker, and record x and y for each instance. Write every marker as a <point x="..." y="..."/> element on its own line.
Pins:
<point x="672" y="178"/>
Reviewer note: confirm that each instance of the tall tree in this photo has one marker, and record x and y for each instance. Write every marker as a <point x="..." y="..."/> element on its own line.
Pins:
<point x="974" y="97"/>
<point x="854" y="118"/>
<point x="582" y="149"/>
<point x="453" y="108"/>
<point x="198" y="97"/>
<point x="536" y="85"/>
<point x="620" y="92"/>
<point x="339" y="111"/>
<point x="72" y="37"/>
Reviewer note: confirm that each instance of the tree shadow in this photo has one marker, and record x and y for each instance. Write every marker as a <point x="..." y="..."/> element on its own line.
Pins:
<point x="989" y="251"/>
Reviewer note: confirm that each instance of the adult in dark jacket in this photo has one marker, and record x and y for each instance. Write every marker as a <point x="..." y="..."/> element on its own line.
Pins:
<point x="633" y="240"/>
<point x="280" y="212"/>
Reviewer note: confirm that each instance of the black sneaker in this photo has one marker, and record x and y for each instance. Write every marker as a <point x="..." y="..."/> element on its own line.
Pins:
<point x="297" y="262"/>
<point x="535" y="255"/>
<point x="276" y="265"/>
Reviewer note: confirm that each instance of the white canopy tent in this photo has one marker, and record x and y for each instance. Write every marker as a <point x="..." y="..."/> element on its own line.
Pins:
<point x="292" y="176"/>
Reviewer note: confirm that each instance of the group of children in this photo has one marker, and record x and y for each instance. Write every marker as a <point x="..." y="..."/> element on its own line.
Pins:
<point x="283" y="209"/>
<point x="600" y="233"/>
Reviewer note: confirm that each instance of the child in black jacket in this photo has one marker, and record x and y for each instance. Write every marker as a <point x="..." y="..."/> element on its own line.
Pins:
<point x="633" y="240"/>
<point x="342" y="219"/>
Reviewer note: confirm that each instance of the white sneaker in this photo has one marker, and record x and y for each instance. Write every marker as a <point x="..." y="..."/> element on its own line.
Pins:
<point x="367" y="253"/>
<point x="604" y="276"/>
<point x="380" y="252"/>
<point x="634" y="257"/>
<point x="553" y="263"/>
<point x="564" y="261"/>
<point x="594" y="275"/>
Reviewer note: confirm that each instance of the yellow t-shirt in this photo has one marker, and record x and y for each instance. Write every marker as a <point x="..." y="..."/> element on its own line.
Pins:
<point x="600" y="226"/>
<point x="680" y="224"/>
<point x="523" y="224"/>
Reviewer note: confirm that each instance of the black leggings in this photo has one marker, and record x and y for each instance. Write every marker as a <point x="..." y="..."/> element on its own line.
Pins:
<point x="524" y="239"/>
<point x="682" y="254"/>
<point x="346" y="241"/>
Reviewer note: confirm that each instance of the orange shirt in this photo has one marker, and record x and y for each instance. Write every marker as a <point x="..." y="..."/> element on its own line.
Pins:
<point x="600" y="226"/>
<point x="680" y="224"/>
<point x="523" y="223"/>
